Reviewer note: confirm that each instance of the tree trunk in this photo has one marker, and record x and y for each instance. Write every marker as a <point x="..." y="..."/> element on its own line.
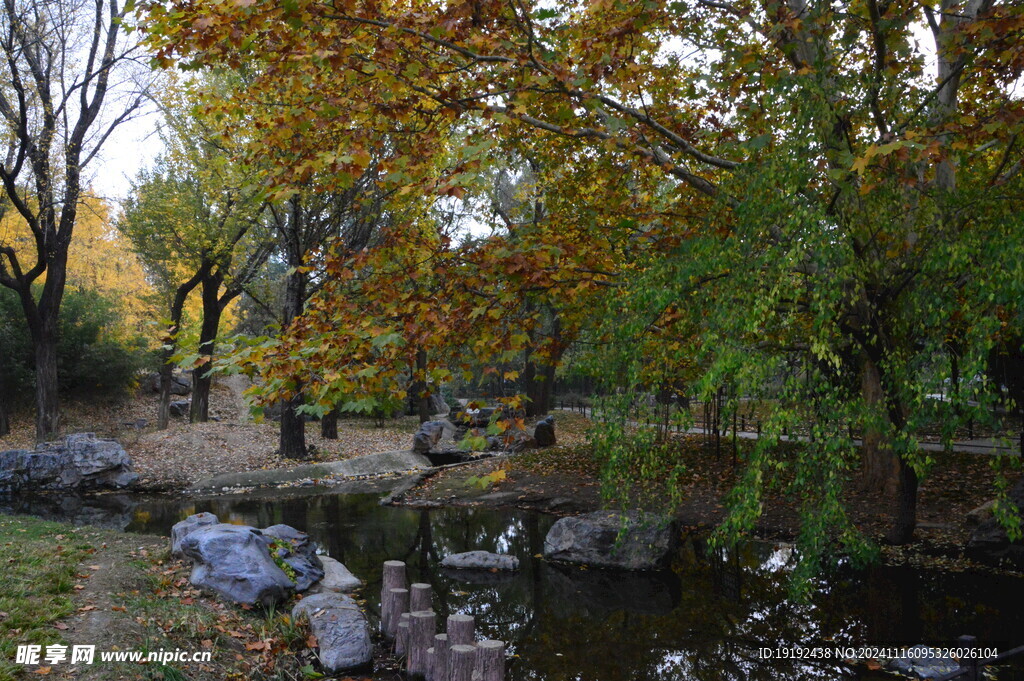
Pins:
<point x="530" y="384"/>
<point x="293" y="426"/>
<point x="47" y="397"/>
<point x="879" y="466"/>
<point x="293" y="431"/>
<point x="201" y="378"/>
<point x="881" y="469"/>
<point x="420" y="387"/>
<point x="5" y="423"/>
<point x="329" y="425"/>
<point x="166" y="372"/>
<point x="905" y="521"/>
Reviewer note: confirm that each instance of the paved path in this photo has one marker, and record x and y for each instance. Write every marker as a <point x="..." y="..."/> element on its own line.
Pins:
<point x="976" y="446"/>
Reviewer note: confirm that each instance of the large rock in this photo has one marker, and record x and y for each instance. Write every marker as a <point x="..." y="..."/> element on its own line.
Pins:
<point x="299" y="552"/>
<point x="544" y="432"/>
<point x="480" y="560"/>
<point x="179" y="407"/>
<point x="594" y="539"/>
<point x="186" y="527"/>
<point x="180" y="385"/>
<point x="234" y="561"/>
<point x="989" y="541"/>
<point x="81" y="461"/>
<point x="427" y="436"/>
<point x="341" y="630"/>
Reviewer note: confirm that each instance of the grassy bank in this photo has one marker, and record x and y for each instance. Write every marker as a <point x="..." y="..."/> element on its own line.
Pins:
<point x="38" y="563"/>
<point x="62" y="585"/>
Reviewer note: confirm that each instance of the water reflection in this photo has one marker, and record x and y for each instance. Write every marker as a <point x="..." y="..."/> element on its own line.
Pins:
<point x="704" y="620"/>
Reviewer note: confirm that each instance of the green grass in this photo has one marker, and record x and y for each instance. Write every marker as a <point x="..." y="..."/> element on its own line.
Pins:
<point x="37" y="572"/>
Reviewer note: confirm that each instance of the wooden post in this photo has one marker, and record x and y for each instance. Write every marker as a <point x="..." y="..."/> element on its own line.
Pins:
<point x="420" y="597"/>
<point x="438" y="670"/>
<point x="971" y="663"/>
<point x="422" y="627"/>
<point x="490" y="661"/>
<point x="461" y="661"/>
<point x="460" y="630"/>
<point x="394" y="578"/>
<point x="430" y="664"/>
<point x="398" y="603"/>
<point x="402" y="635"/>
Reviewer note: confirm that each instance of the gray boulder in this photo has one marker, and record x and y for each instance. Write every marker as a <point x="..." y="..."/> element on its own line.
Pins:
<point x="234" y="562"/>
<point x="480" y="560"/>
<point x="594" y="539"/>
<point x="81" y="461"/>
<point x="337" y="577"/>
<point x="179" y="407"/>
<point x="296" y="549"/>
<point x="186" y="527"/>
<point x="544" y="432"/>
<point x="341" y="630"/>
<point x="427" y="436"/>
<point x="989" y="541"/>
<point x="180" y="385"/>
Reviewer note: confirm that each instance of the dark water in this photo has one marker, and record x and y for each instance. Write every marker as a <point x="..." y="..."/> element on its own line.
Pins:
<point x="705" y="619"/>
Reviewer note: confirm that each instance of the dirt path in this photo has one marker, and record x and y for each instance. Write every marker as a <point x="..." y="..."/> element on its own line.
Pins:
<point x="99" y="620"/>
<point x="236" y="385"/>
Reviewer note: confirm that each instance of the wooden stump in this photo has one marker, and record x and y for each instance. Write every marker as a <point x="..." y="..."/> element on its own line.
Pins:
<point x="490" y="661"/>
<point x="460" y="630"/>
<point x="402" y="635"/>
<point x="394" y="578"/>
<point x="420" y="597"/>
<point x="461" y="660"/>
<point x="398" y="602"/>
<point x="422" y="627"/>
<point x="438" y="670"/>
<point x="430" y="663"/>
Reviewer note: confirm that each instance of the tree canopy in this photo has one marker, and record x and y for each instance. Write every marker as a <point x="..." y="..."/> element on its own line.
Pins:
<point x="817" y="197"/>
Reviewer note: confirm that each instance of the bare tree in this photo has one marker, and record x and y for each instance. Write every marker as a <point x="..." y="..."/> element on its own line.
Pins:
<point x="65" y="85"/>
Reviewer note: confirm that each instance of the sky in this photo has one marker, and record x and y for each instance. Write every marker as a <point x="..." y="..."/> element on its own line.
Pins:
<point x="132" y="146"/>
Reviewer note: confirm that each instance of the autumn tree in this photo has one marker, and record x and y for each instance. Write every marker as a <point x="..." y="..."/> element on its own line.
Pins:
<point x="308" y="224"/>
<point x="198" y="222"/>
<point x="828" y="194"/>
<point x="64" y="86"/>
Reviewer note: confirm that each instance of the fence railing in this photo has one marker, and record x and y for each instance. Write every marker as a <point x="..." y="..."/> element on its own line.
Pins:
<point x="701" y="421"/>
<point x="972" y="670"/>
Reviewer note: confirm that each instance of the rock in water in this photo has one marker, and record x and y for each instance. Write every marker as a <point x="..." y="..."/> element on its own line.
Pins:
<point x="544" y="432"/>
<point x="427" y="436"/>
<point x="299" y="552"/>
<point x="186" y="527"/>
<point x="923" y="663"/>
<point x="81" y="461"/>
<point x="337" y="577"/>
<point x="480" y="560"/>
<point x="234" y="561"/>
<point x="593" y="539"/>
<point x="341" y="630"/>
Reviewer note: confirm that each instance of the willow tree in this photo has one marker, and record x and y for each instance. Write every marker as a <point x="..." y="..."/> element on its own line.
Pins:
<point x="856" y="202"/>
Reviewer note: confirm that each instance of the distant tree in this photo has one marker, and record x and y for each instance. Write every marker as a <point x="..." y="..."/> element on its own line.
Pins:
<point x="197" y="221"/>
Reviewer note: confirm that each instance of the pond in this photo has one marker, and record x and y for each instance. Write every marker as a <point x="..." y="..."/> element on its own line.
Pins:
<point x="703" y="620"/>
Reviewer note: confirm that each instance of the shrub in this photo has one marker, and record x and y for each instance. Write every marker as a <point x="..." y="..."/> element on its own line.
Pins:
<point x="93" y="358"/>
